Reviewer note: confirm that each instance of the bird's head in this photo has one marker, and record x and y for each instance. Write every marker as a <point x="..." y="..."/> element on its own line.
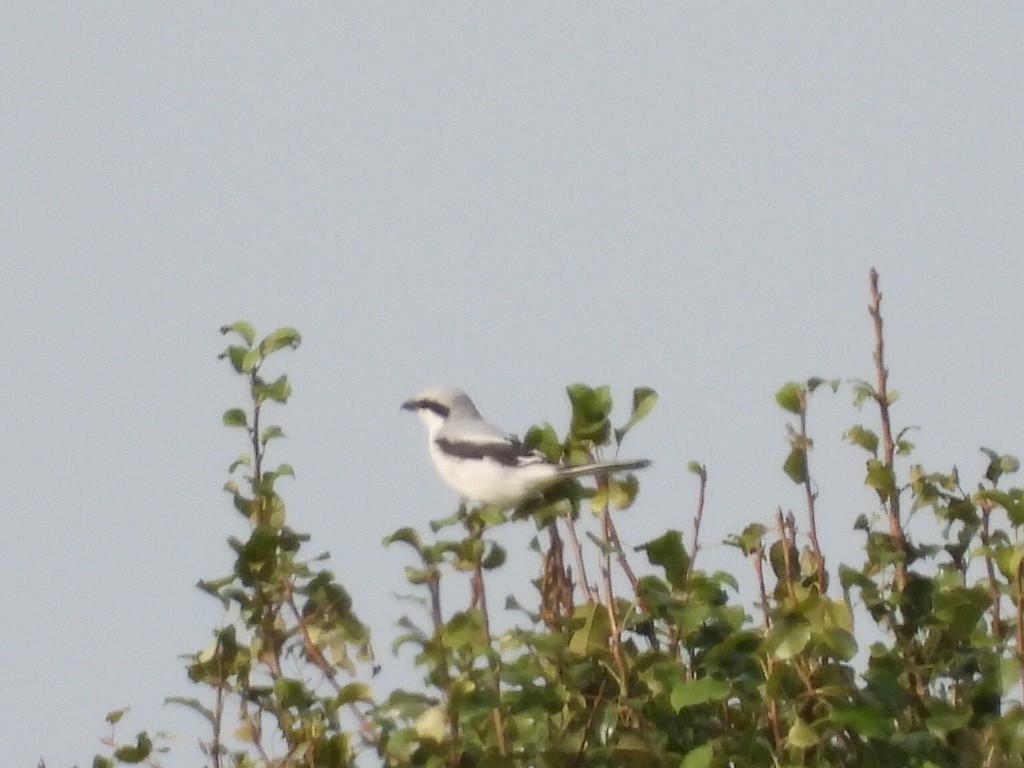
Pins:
<point x="436" y="405"/>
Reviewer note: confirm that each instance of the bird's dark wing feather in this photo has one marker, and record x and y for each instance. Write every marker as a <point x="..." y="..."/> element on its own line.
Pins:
<point x="509" y="452"/>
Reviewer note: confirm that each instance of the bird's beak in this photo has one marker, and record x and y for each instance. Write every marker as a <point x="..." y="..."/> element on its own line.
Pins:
<point x="410" y="405"/>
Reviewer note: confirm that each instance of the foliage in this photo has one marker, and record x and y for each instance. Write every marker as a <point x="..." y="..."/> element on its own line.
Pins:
<point x="611" y="668"/>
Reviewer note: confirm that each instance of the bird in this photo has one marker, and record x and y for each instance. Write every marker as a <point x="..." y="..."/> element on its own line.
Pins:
<point x="485" y="464"/>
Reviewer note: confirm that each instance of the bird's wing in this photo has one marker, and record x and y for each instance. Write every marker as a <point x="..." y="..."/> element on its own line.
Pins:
<point x="474" y="439"/>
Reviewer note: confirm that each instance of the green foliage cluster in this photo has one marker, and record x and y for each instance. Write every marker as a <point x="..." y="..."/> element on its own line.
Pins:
<point x="608" y="668"/>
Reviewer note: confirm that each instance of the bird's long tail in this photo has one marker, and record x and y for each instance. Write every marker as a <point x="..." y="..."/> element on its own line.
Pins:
<point x="604" y="468"/>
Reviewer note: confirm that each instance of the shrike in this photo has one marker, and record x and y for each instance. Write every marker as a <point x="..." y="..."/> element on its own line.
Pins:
<point x="483" y="463"/>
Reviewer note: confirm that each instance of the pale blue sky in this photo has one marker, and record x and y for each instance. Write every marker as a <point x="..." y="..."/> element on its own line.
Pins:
<point x="506" y="200"/>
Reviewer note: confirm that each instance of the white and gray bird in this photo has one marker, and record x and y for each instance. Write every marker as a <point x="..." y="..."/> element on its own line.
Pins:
<point x="485" y="464"/>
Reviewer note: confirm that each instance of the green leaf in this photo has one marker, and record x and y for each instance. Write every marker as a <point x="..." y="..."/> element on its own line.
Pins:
<point x="590" y="409"/>
<point x="999" y="465"/>
<point x="841" y="643"/>
<point x="668" y="552"/>
<point x="454" y="518"/>
<point x="142" y="749"/>
<point x="418" y="576"/>
<point x="622" y="493"/>
<point x="796" y="465"/>
<point x="250" y="360"/>
<point x="270" y="433"/>
<point x="790" y="397"/>
<point x="644" y="399"/>
<point x="490" y="515"/>
<point x="235" y="417"/>
<point x="785" y="641"/>
<point x="862" y="392"/>
<point x="690" y="693"/>
<point x="544" y="438"/>
<point x="278" y="390"/>
<point x="868" y="722"/>
<point x="243" y="329"/>
<point x="495" y="557"/>
<point x="944" y="719"/>
<point x="465" y="629"/>
<point x="1009" y="675"/>
<point x="1012" y="501"/>
<point x="816" y="381"/>
<point x="431" y="724"/>
<point x="235" y="354"/>
<point x="1008" y="559"/>
<point x="777" y="553"/>
<point x="194" y="704"/>
<point x="865" y="438"/>
<point x="353" y="692"/>
<point x="801" y="735"/>
<point x="700" y="757"/>
<point x="244" y="460"/>
<point x="595" y="632"/>
<point x="292" y="694"/>
<point x="748" y="541"/>
<point x="881" y="478"/>
<point x="282" y="337"/>
<point x="115" y="717"/>
<point x="246" y="732"/>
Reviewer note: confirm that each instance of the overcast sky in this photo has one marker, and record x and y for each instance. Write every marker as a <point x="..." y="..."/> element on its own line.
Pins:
<point x="503" y="199"/>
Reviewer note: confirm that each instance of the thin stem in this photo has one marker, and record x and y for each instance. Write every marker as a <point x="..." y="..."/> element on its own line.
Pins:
<point x="218" y="714"/>
<point x="327" y="669"/>
<point x="589" y="591"/>
<point x="556" y="585"/>
<point x="436" y="620"/>
<point x="698" y="515"/>
<point x="990" y="572"/>
<point x="254" y="431"/>
<point x="609" y="596"/>
<point x="594" y="709"/>
<point x="1020" y="619"/>
<point x="620" y="556"/>
<point x="786" y="530"/>
<point x="479" y="599"/>
<point x="881" y="396"/>
<point x="811" y="496"/>
<point x="766" y="624"/>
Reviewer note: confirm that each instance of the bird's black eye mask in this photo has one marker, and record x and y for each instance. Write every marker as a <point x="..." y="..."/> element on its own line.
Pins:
<point x="430" y="405"/>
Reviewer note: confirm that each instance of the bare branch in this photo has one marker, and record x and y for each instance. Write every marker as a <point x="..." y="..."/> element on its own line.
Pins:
<point x="881" y="396"/>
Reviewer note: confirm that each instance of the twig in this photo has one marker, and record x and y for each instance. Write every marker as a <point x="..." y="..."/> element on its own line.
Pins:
<point x="1020" y="619"/>
<point x="990" y="572"/>
<point x="327" y="669"/>
<point x="589" y="591"/>
<point x="786" y="528"/>
<point x="434" y="589"/>
<point x="556" y="587"/>
<point x="646" y="628"/>
<point x="254" y="431"/>
<point x="218" y="710"/>
<point x="812" y="528"/>
<point x="594" y="709"/>
<point x="479" y="599"/>
<point x="609" y="596"/>
<point x="695" y="544"/>
<point x="766" y="624"/>
<point x="620" y="556"/>
<point x="881" y="397"/>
